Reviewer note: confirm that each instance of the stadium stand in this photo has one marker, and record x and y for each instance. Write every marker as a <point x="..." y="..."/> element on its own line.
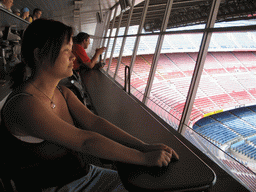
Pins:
<point x="178" y="40"/>
<point x="249" y="180"/>
<point x="244" y="40"/>
<point x="252" y="140"/>
<point x="228" y="61"/>
<point x="245" y="149"/>
<point x="183" y="62"/>
<point x="224" y="101"/>
<point x="211" y="66"/>
<point x="196" y="39"/>
<point x="221" y="40"/>
<point x="247" y="59"/>
<point x="236" y="124"/>
<point x="217" y="132"/>
<point x="147" y="43"/>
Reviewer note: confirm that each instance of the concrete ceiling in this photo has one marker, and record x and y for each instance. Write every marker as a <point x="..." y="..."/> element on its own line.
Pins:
<point x="81" y="18"/>
<point x="184" y="12"/>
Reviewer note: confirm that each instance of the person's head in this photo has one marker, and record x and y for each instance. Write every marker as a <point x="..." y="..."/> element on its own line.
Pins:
<point x="8" y="3"/>
<point x="37" y="13"/>
<point x="82" y="39"/>
<point x="24" y="13"/>
<point x="16" y="12"/>
<point x="41" y="45"/>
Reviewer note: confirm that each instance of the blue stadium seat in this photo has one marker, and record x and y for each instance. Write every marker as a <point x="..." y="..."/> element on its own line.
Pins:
<point x="222" y="116"/>
<point x="241" y="111"/>
<point x="204" y="121"/>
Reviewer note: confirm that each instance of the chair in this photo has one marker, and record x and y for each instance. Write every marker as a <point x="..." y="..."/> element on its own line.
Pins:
<point x="6" y="184"/>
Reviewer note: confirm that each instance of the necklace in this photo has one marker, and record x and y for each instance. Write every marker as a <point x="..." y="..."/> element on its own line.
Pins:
<point x="52" y="103"/>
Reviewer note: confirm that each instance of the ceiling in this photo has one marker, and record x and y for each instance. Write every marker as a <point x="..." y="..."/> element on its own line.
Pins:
<point x="184" y="12"/>
<point x="189" y="12"/>
<point x="64" y="9"/>
<point x="69" y="13"/>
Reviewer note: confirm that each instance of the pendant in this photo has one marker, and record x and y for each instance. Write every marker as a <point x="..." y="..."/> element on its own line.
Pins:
<point x="53" y="105"/>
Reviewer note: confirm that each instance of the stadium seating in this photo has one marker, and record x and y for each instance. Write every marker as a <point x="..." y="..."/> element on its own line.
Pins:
<point x="245" y="149"/>
<point x="217" y="132"/>
<point x="224" y="101"/>
<point x="179" y="42"/>
<point x="244" y="41"/>
<point x="240" y="112"/>
<point x="223" y="116"/>
<point x="252" y="140"/>
<point x="247" y="58"/>
<point x="221" y="41"/>
<point x="228" y="61"/>
<point x="239" y="126"/>
<point x="249" y="180"/>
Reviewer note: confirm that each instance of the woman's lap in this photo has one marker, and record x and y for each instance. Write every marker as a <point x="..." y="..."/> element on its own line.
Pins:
<point x="97" y="180"/>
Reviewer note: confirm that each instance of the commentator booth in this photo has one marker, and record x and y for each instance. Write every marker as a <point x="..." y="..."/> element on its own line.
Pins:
<point x="194" y="171"/>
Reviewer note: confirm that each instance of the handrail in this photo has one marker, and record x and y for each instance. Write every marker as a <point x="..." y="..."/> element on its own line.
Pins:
<point x="127" y="70"/>
<point x="9" y="19"/>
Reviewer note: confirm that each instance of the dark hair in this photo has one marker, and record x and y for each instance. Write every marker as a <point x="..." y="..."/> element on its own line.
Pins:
<point x="46" y="35"/>
<point x="80" y="37"/>
<point x="36" y="10"/>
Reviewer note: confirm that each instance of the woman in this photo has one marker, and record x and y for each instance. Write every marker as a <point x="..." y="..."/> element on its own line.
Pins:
<point x="48" y="131"/>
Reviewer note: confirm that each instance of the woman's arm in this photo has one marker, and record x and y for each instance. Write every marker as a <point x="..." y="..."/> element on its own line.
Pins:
<point x="92" y="122"/>
<point x="34" y="119"/>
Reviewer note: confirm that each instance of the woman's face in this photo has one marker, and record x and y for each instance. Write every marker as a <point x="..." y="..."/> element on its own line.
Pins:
<point x="64" y="63"/>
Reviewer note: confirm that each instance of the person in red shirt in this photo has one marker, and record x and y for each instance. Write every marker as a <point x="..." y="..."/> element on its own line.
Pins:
<point x="81" y="42"/>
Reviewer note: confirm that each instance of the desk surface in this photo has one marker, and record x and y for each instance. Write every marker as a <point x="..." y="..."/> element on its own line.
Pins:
<point x="113" y="104"/>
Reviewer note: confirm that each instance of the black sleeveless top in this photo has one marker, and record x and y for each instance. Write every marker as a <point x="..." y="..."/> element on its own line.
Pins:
<point x="33" y="166"/>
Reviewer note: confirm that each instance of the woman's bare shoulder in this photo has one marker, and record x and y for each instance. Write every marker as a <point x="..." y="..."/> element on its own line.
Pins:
<point x="15" y="98"/>
<point x="66" y="91"/>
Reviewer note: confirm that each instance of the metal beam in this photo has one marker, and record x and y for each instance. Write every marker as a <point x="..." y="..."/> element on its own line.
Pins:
<point x="106" y="31"/>
<point x="157" y="51"/>
<point x="106" y="52"/>
<point x="124" y="39"/>
<point x="198" y="67"/>
<point x="114" y="43"/>
<point x="136" y="45"/>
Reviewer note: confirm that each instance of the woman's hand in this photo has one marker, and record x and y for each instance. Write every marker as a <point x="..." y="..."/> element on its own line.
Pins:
<point x="158" y="158"/>
<point x="158" y="154"/>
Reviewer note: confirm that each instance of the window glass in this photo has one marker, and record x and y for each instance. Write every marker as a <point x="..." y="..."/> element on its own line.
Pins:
<point x="114" y="59"/>
<point x="173" y="76"/>
<point x="226" y="96"/>
<point x="125" y="59"/>
<point x="142" y="64"/>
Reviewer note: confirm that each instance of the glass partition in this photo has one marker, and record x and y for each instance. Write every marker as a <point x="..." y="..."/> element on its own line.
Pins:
<point x="233" y="166"/>
<point x="173" y="75"/>
<point x="227" y="83"/>
<point x="126" y="58"/>
<point x="226" y="100"/>
<point x="143" y="62"/>
<point x="108" y="53"/>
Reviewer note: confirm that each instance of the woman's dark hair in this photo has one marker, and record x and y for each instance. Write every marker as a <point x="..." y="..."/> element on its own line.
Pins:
<point x="80" y="37"/>
<point x="46" y="35"/>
